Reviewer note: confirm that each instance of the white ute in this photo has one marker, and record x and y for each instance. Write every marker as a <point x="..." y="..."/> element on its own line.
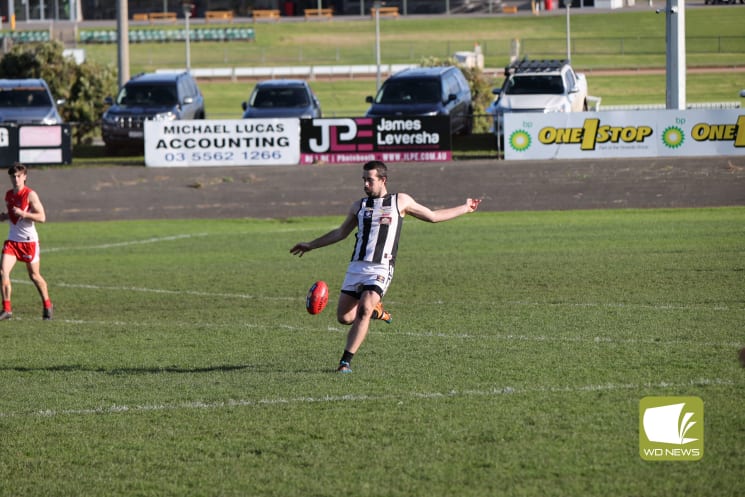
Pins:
<point x="539" y="86"/>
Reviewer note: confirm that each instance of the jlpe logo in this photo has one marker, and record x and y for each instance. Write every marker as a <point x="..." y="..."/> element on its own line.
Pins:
<point x="671" y="428"/>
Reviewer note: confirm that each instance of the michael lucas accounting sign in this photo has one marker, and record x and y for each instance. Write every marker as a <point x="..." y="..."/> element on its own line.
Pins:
<point x="231" y="142"/>
<point x="663" y="133"/>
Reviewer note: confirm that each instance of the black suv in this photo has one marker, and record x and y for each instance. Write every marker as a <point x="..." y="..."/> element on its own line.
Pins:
<point x="151" y="96"/>
<point x="426" y="91"/>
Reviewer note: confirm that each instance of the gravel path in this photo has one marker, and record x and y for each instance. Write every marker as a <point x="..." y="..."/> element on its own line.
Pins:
<point x="137" y="192"/>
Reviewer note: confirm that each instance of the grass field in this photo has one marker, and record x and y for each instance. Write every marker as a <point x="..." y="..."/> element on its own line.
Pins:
<point x="181" y="360"/>
<point x="629" y="39"/>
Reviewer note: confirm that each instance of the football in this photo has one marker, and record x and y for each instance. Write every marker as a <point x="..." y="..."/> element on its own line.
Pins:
<point x="317" y="298"/>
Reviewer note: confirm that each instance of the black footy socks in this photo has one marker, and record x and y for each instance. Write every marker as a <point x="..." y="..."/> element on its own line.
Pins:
<point x="347" y="357"/>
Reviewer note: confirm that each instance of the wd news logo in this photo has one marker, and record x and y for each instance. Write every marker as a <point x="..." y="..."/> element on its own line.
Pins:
<point x="671" y="428"/>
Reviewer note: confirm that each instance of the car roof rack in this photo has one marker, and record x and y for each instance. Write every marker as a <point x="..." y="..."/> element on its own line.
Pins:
<point x="526" y="65"/>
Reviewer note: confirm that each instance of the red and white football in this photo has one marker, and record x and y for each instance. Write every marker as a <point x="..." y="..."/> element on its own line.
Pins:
<point x="317" y="298"/>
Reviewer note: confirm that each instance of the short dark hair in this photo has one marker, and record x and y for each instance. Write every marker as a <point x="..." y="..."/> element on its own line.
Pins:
<point x="17" y="167"/>
<point x="378" y="166"/>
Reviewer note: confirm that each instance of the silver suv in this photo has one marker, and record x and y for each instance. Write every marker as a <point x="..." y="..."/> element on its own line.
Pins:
<point x="28" y="101"/>
<point x="151" y="96"/>
<point x="282" y="98"/>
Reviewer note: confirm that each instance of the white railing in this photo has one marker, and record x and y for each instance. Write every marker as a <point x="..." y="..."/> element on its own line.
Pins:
<point x="305" y="72"/>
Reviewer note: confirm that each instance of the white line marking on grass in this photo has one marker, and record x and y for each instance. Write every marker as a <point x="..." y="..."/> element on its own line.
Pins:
<point x="663" y="307"/>
<point x="494" y="392"/>
<point x="167" y="239"/>
<point x="412" y="334"/>
<point x="553" y="339"/>
<point x="128" y="243"/>
<point x="625" y="305"/>
<point x="162" y="291"/>
<point x="608" y="340"/>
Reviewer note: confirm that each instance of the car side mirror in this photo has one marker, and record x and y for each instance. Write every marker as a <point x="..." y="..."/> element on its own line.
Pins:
<point x="244" y="105"/>
<point x="496" y="91"/>
<point x="451" y="98"/>
<point x="108" y="101"/>
<point x="369" y="99"/>
<point x="188" y="100"/>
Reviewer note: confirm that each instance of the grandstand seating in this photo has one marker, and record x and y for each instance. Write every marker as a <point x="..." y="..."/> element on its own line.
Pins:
<point x="154" y="35"/>
<point x="27" y="36"/>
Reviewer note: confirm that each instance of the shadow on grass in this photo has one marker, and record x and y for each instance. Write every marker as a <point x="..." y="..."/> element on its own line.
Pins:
<point x="224" y="368"/>
<point x="129" y="371"/>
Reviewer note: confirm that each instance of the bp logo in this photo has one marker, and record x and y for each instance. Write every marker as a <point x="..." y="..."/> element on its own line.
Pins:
<point x="673" y="137"/>
<point x="520" y="140"/>
<point x="671" y="428"/>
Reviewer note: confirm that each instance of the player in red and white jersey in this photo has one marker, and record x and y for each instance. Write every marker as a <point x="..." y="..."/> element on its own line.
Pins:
<point x="378" y="219"/>
<point x="24" y="209"/>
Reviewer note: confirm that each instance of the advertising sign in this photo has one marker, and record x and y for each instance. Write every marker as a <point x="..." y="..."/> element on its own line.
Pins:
<point x="8" y="145"/>
<point x="35" y="144"/>
<point x="390" y="139"/>
<point x="661" y="133"/>
<point x="230" y="142"/>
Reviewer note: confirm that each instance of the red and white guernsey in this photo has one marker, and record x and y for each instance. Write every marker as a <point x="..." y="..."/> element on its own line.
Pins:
<point x="21" y="230"/>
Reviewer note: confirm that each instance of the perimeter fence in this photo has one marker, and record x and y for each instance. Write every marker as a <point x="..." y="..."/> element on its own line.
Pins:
<point x="211" y="52"/>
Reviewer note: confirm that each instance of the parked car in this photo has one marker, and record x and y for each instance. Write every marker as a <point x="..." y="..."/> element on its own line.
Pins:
<point x="282" y="98"/>
<point x="28" y="101"/>
<point x="149" y="96"/>
<point x="539" y="86"/>
<point x="426" y="91"/>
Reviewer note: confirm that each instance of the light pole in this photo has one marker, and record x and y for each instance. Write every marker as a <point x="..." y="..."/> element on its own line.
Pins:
<point x="675" y="60"/>
<point x="376" y="6"/>
<point x="122" y="28"/>
<point x="187" y="14"/>
<point x="569" y="34"/>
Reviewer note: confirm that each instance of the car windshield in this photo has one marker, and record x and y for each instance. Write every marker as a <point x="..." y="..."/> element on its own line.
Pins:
<point x="535" y="85"/>
<point x="147" y="95"/>
<point x="410" y="91"/>
<point x="267" y="98"/>
<point x="24" y="97"/>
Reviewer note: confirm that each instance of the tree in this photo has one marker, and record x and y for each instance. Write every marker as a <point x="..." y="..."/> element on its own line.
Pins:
<point x="83" y="86"/>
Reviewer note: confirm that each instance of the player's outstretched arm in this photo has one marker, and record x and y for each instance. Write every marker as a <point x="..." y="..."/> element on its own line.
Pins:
<point x="407" y="205"/>
<point x="333" y="236"/>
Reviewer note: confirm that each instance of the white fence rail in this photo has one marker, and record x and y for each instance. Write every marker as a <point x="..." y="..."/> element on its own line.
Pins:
<point x="303" y="72"/>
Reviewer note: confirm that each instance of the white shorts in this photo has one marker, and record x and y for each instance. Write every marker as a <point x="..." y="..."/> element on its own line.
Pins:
<point x="363" y="276"/>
